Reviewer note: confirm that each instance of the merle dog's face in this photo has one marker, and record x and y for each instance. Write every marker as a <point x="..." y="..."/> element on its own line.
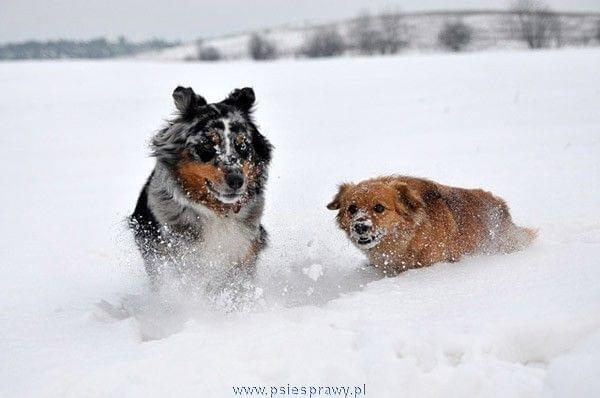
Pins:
<point x="215" y="150"/>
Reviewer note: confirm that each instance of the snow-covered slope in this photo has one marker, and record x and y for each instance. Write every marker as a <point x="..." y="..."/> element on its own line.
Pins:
<point x="522" y="124"/>
<point x="490" y="29"/>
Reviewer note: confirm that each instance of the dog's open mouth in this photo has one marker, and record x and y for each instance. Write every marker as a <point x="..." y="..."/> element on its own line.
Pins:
<point x="225" y="197"/>
<point x="364" y="241"/>
<point x="368" y="241"/>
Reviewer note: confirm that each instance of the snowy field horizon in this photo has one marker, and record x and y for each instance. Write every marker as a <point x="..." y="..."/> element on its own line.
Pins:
<point x="524" y="125"/>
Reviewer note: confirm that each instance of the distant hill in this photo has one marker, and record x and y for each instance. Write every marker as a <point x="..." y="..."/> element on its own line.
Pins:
<point x="491" y="29"/>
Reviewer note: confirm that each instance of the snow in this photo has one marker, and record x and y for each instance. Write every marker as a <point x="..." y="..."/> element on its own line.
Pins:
<point x="314" y="272"/>
<point x="524" y="125"/>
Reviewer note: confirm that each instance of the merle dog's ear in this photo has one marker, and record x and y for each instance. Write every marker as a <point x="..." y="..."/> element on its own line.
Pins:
<point x="336" y="202"/>
<point x="241" y="98"/>
<point x="262" y="147"/>
<point x="186" y="100"/>
<point x="408" y="197"/>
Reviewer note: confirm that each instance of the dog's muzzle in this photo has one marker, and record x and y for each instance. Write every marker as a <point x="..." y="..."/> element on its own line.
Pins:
<point x="232" y="188"/>
<point x="234" y="180"/>
<point x="364" y="235"/>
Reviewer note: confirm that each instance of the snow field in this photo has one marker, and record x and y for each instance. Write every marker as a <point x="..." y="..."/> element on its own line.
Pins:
<point x="524" y="125"/>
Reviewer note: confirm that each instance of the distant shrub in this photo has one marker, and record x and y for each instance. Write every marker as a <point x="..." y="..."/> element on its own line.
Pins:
<point x="455" y="36"/>
<point x="394" y="32"/>
<point x="537" y="25"/>
<point x="260" y="48"/>
<point x="324" y="43"/>
<point x="209" y="53"/>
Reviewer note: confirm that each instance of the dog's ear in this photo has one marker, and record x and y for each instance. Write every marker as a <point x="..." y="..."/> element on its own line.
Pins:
<point x="408" y="198"/>
<point x="241" y="98"/>
<point x="262" y="146"/>
<point x="336" y="201"/>
<point x="186" y="100"/>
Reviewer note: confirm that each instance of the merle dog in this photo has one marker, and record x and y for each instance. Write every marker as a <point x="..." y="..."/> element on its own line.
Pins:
<point x="204" y="199"/>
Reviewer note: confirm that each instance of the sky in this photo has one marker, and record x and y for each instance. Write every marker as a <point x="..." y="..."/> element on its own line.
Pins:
<point x="188" y="19"/>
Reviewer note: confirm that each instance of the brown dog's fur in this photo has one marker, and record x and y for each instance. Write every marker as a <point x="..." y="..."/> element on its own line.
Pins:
<point x="426" y="222"/>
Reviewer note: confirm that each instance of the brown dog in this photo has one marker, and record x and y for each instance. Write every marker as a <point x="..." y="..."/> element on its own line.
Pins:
<point x="405" y="222"/>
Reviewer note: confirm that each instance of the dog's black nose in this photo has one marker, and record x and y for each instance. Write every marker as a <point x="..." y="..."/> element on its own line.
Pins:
<point x="234" y="180"/>
<point x="361" y="228"/>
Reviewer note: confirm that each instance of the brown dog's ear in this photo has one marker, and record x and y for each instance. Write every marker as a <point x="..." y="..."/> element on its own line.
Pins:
<point x="335" y="203"/>
<point x="408" y="197"/>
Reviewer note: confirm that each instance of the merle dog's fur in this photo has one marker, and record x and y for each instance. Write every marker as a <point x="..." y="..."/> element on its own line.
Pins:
<point x="168" y="222"/>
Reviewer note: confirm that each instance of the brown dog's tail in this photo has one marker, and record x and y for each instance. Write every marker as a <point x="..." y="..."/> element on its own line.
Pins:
<point x="527" y="235"/>
<point x="518" y="238"/>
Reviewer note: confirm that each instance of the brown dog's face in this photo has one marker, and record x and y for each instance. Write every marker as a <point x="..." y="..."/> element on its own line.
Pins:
<point x="373" y="210"/>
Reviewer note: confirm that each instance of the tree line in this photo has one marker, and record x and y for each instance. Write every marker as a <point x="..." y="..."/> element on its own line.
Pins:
<point x="94" y="48"/>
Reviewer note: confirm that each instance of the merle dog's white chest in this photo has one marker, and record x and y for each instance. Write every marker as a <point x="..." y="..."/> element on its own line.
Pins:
<point x="224" y="241"/>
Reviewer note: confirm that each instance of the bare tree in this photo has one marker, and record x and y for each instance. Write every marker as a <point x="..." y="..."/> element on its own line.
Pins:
<point x="455" y="35"/>
<point x="556" y="30"/>
<point x="537" y="25"/>
<point x="205" y="52"/>
<point x="366" y="35"/>
<point x="209" y="53"/>
<point x="385" y="33"/>
<point x="325" y="42"/>
<point x="260" y="48"/>
<point x="394" y="32"/>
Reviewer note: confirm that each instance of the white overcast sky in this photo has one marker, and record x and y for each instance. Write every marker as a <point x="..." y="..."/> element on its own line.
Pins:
<point x="189" y="19"/>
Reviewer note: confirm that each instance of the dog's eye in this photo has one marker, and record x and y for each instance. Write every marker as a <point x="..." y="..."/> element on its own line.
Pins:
<point x="214" y="137"/>
<point x="378" y="208"/>
<point x="241" y="145"/>
<point x="206" y="152"/>
<point x="240" y="139"/>
<point x="352" y="209"/>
